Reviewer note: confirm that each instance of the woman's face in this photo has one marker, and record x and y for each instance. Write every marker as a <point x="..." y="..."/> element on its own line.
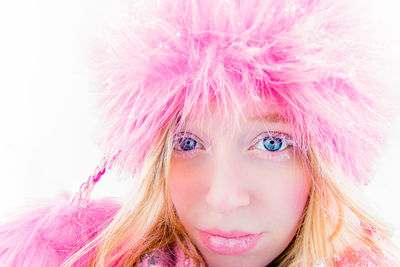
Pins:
<point x="240" y="195"/>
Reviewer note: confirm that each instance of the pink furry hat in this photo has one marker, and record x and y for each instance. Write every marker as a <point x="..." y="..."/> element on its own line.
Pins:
<point x="313" y="59"/>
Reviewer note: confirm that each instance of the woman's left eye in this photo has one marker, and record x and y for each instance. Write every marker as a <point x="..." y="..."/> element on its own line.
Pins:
<point x="274" y="142"/>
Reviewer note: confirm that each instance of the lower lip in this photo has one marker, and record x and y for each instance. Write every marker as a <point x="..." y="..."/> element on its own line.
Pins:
<point x="229" y="246"/>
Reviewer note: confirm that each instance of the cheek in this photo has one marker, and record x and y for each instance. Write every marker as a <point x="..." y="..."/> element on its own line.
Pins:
<point x="186" y="187"/>
<point x="292" y="197"/>
<point x="279" y="191"/>
<point x="284" y="194"/>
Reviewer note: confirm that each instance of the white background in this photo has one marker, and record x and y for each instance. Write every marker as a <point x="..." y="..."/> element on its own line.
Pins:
<point x="48" y="119"/>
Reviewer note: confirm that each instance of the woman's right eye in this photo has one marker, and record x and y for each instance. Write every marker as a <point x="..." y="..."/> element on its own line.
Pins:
<point x="185" y="143"/>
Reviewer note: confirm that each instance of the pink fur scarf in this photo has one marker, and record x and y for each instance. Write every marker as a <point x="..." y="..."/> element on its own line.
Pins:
<point x="49" y="235"/>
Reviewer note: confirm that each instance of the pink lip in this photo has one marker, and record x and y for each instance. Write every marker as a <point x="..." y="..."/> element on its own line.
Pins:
<point x="229" y="243"/>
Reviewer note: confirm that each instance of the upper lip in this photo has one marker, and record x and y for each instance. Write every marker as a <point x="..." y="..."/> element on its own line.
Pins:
<point x="232" y="233"/>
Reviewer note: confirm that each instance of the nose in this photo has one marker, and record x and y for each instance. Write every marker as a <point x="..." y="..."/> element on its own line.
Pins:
<point x="227" y="191"/>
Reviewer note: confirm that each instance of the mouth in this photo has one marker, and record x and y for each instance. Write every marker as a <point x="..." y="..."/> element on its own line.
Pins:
<point x="229" y="243"/>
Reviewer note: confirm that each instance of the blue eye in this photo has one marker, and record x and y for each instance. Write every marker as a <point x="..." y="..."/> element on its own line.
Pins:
<point x="187" y="143"/>
<point x="273" y="143"/>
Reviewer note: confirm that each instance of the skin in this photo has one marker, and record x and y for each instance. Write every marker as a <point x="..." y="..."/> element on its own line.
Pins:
<point x="229" y="180"/>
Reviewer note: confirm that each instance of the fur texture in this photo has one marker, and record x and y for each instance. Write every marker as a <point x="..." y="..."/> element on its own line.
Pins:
<point x="313" y="59"/>
<point x="46" y="236"/>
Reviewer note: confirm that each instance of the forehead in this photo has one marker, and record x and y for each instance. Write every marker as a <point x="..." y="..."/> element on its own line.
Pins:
<point x="248" y="110"/>
<point x="234" y="118"/>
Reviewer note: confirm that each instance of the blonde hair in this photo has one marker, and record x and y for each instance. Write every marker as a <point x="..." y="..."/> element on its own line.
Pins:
<point x="147" y="221"/>
<point x="335" y="226"/>
<point x="329" y="230"/>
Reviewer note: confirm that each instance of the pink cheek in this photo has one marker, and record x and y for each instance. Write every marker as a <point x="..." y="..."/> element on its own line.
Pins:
<point x="297" y="195"/>
<point x="186" y="188"/>
<point x="285" y="199"/>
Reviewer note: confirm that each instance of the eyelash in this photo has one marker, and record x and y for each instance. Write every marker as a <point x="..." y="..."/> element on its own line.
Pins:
<point x="286" y="142"/>
<point x="177" y="141"/>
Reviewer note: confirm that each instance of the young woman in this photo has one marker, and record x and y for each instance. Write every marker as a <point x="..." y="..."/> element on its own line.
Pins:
<point x="250" y="127"/>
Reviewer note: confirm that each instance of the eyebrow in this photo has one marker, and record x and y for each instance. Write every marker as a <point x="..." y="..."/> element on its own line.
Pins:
<point x="269" y="117"/>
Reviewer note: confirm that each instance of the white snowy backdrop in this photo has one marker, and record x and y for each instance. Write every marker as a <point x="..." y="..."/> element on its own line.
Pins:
<point x="48" y="124"/>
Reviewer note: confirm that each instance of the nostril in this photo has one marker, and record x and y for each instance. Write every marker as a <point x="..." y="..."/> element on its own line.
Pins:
<point x="225" y="202"/>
